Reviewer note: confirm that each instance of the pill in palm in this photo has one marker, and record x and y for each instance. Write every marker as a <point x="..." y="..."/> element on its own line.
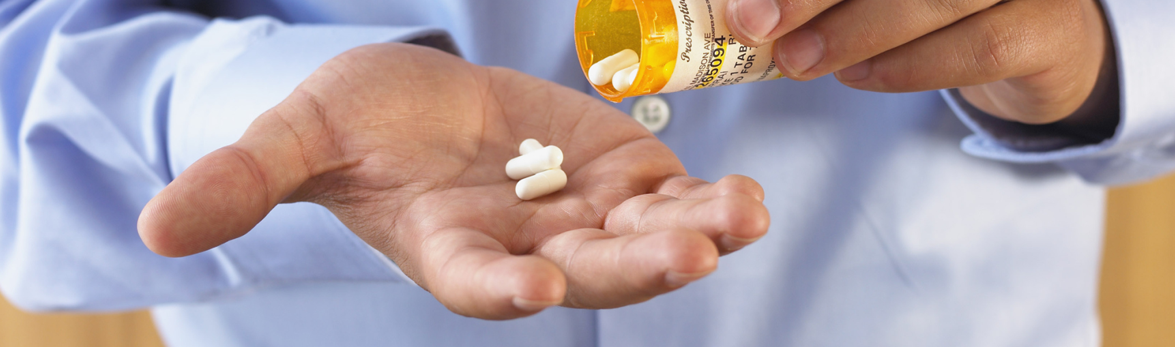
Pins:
<point x="536" y="161"/>
<point x="529" y="145"/>
<point x="541" y="184"/>
<point x="602" y="72"/>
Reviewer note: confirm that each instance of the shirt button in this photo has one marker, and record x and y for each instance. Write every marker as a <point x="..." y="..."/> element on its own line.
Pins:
<point x="652" y="111"/>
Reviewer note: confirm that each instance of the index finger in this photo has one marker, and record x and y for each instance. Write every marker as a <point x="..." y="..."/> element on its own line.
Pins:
<point x="857" y="30"/>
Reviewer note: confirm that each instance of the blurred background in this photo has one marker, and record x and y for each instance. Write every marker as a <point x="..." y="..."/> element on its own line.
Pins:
<point x="1137" y="286"/>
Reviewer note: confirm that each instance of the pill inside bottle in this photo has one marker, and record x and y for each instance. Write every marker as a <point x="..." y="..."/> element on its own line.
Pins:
<point x="605" y="70"/>
<point x="679" y="45"/>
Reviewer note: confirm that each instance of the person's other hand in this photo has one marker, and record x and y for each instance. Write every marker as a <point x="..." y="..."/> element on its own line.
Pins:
<point x="1031" y="61"/>
<point x="408" y="145"/>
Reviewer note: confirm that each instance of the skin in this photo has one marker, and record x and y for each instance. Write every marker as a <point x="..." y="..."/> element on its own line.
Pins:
<point x="1030" y="61"/>
<point x="407" y="146"/>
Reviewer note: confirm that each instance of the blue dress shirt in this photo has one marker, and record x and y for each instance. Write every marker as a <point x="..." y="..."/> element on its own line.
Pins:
<point x="885" y="231"/>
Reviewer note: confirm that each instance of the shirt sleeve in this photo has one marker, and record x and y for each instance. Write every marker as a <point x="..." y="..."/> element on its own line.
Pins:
<point x="103" y="103"/>
<point x="1142" y="144"/>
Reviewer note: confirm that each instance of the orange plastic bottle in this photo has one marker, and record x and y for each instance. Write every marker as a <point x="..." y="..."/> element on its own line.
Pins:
<point x="683" y="45"/>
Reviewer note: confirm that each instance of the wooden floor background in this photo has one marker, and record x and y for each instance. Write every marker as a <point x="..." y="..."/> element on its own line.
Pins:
<point x="1137" y="303"/>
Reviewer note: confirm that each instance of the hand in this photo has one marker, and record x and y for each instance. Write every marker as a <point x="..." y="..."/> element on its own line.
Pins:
<point x="407" y="146"/>
<point x="1032" y="61"/>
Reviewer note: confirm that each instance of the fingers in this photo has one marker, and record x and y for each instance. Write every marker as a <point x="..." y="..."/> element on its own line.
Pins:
<point x="685" y="187"/>
<point x="473" y="275"/>
<point x="856" y="30"/>
<point x="730" y="212"/>
<point x="605" y="271"/>
<point x="758" y="22"/>
<point x="226" y="193"/>
<point x="1058" y="47"/>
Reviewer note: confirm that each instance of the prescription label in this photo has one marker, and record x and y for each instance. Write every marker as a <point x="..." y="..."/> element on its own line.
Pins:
<point x="709" y="56"/>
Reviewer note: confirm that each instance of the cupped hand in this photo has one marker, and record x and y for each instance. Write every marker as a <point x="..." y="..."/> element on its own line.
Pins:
<point x="1032" y="61"/>
<point x="407" y="146"/>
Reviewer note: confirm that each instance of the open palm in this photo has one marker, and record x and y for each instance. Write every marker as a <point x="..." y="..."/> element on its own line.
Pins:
<point x="407" y="146"/>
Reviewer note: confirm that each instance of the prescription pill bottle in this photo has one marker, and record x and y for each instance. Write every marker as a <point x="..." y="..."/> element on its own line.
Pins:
<point x="682" y="45"/>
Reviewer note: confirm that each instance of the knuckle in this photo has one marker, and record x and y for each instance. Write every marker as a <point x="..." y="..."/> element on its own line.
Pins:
<point x="262" y="182"/>
<point x="756" y="222"/>
<point x="742" y="217"/>
<point x="1072" y="15"/>
<point x="691" y="251"/>
<point x="873" y="30"/>
<point x="797" y="12"/>
<point x="948" y="11"/>
<point x="679" y="186"/>
<point x="894" y="77"/>
<point x="1070" y="11"/>
<point x="729" y="213"/>
<point x="309" y="102"/>
<point x="635" y="214"/>
<point x="739" y="184"/>
<point x="992" y="51"/>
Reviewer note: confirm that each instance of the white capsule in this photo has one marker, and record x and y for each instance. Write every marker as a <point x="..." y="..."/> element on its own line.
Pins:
<point x="601" y="72"/>
<point x="541" y="184"/>
<point x="529" y="145"/>
<point x="624" y="78"/>
<point x="536" y="161"/>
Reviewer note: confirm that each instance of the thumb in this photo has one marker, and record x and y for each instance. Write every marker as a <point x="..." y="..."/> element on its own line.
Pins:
<point x="227" y="192"/>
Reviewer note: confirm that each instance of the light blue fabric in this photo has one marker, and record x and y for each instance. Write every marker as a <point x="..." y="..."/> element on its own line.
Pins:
<point x="884" y="232"/>
<point x="1144" y="145"/>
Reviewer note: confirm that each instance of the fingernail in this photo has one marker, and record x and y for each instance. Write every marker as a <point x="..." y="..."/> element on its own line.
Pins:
<point x="531" y="305"/>
<point x="731" y="243"/>
<point x="676" y="279"/>
<point x="801" y="50"/>
<point x="857" y="72"/>
<point x="755" y="19"/>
